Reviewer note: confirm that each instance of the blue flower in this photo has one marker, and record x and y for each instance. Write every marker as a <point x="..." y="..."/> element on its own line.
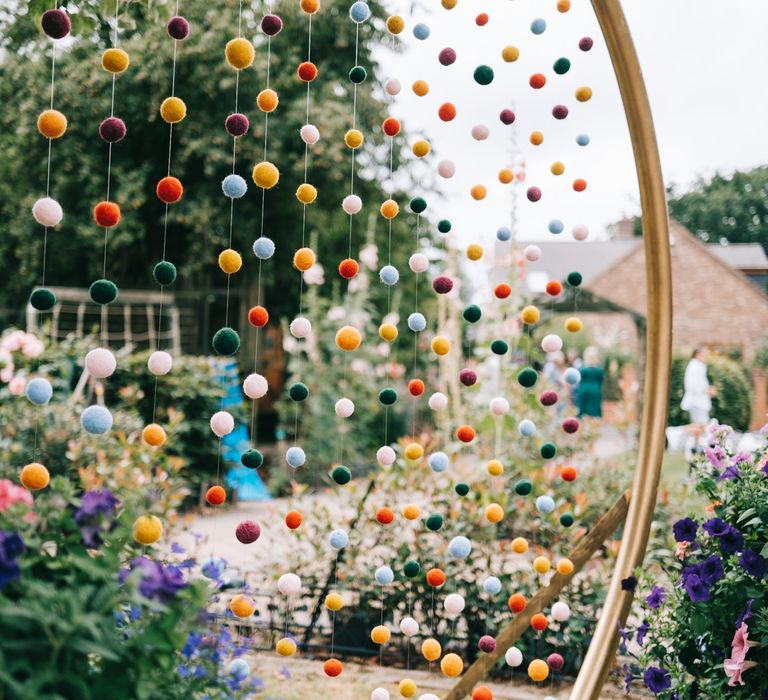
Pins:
<point x="629" y="584"/>
<point x="732" y="472"/>
<point x="642" y="630"/>
<point x="685" y="530"/>
<point x="715" y="527"/>
<point x="95" y="514"/>
<point x="753" y="563"/>
<point x="191" y="644"/>
<point x="696" y="589"/>
<point x="157" y="582"/>
<point x="731" y="541"/>
<point x="656" y="597"/>
<point x="711" y="570"/>
<point x="657" y="680"/>
<point x="176" y="548"/>
<point x="11" y="548"/>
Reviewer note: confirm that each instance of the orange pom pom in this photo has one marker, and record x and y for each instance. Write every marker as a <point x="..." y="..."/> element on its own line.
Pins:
<point x="153" y="435"/>
<point x="307" y="71"/>
<point x="169" y="190"/>
<point x="568" y="473"/>
<point x="258" y="316"/>
<point x="579" y="185"/>
<point x="385" y="515"/>
<point x="447" y="112"/>
<point x="106" y="214"/>
<point x="333" y="668"/>
<point x="502" y="291"/>
<point x="539" y="622"/>
<point x="293" y="519"/>
<point x="436" y="578"/>
<point x="554" y="288"/>
<point x="216" y="495"/>
<point x="348" y="268"/>
<point x="465" y="433"/>
<point x="482" y="692"/>
<point x="517" y="602"/>
<point x="416" y="387"/>
<point x="391" y="126"/>
<point x="537" y="81"/>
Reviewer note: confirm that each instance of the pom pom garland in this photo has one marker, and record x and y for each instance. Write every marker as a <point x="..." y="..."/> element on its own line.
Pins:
<point x="177" y="28"/>
<point x="96" y="420"/>
<point x="47" y="212"/>
<point x="34" y="476"/>
<point x="236" y="124"/>
<point x="55" y="23"/>
<point x="112" y="130"/>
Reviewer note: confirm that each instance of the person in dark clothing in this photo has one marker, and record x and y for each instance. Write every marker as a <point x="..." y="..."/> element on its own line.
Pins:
<point x="590" y="396"/>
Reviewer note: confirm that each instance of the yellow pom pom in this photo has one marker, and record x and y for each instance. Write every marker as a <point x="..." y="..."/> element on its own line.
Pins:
<point x="495" y="468"/>
<point x="306" y="193"/>
<point x="285" y="647"/>
<point x="519" y="545"/>
<point x="431" y="649"/>
<point x="451" y="665"/>
<point x="388" y="332"/>
<point x="421" y="149"/>
<point x="541" y="565"/>
<point x="353" y="138"/>
<point x="389" y="209"/>
<point x="474" y="251"/>
<point x="573" y="324"/>
<point x="348" y="338"/>
<point x="584" y="93"/>
<point x="380" y="634"/>
<point x="265" y="175"/>
<point x="441" y="345"/>
<point x="563" y="5"/>
<point x="530" y="315"/>
<point x="114" y="60"/>
<point x="239" y="53"/>
<point x="173" y="110"/>
<point x="267" y="100"/>
<point x="153" y="435"/>
<point x="564" y="567"/>
<point x="478" y="192"/>
<point x="448" y="4"/>
<point x="242" y="606"/>
<point x="414" y="451"/>
<point x="411" y="511"/>
<point x="334" y="602"/>
<point x="34" y="476"/>
<point x="510" y="53"/>
<point x="310" y="6"/>
<point x="303" y="259"/>
<point x="407" y="688"/>
<point x="147" y="529"/>
<point x="538" y="670"/>
<point x="494" y="513"/>
<point x="536" y="138"/>
<point x="420" y="88"/>
<point x="52" y="124"/>
<point x="230" y="261"/>
<point x="506" y="176"/>
<point x="395" y="24"/>
<point x="557" y="168"/>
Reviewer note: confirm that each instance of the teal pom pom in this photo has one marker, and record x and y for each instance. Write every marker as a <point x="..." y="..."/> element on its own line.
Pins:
<point x="412" y="569"/>
<point x="566" y="519"/>
<point x="341" y="475"/>
<point x="434" y="522"/>
<point x="483" y="75"/>
<point x="574" y="279"/>
<point x="499" y="347"/>
<point x="358" y="75"/>
<point x="461" y="488"/>
<point x="523" y="487"/>
<point x="472" y="313"/>
<point x="226" y="341"/>
<point x="561" y="66"/>
<point x="548" y="450"/>
<point x="443" y="225"/>
<point x="527" y="377"/>
<point x="298" y="391"/>
<point x="42" y="299"/>
<point x="164" y="273"/>
<point x="252" y="459"/>
<point x="387" y="396"/>
<point x="103" y="292"/>
<point x="418" y="205"/>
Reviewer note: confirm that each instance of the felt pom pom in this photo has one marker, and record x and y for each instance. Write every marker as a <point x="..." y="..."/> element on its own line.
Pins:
<point x="56" y="23"/>
<point x="478" y="192"/>
<point x="442" y="284"/>
<point x="153" y="435"/>
<point x="389" y="209"/>
<point x="486" y="644"/>
<point x="298" y="391"/>
<point x="417" y="322"/>
<point x="42" y="299"/>
<point x="388" y="396"/>
<point x="395" y="25"/>
<point x="306" y="193"/>
<point x="255" y="386"/>
<point x="440" y="345"/>
<point x="96" y="420"/>
<point x="333" y="667"/>
<point x="222" y="423"/>
<point x="358" y="75"/>
<point x="560" y="611"/>
<point x="47" y="212"/>
<point x="446" y="169"/>
<point x="264" y="248"/>
<point x="468" y="377"/>
<point x="38" y="391"/>
<point x="352" y="204"/>
<point x="391" y="126"/>
<point x="310" y="134"/>
<point x="570" y="425"/>
<point x="258" y="316"/>
<point x="300" y="327"/>
<point x="551" y="343"/>
<point x="483" y="75"/>
<point x="499" y="406"/>
<point x="438" y="401"/>
<point x="147" y="529"/>
<point x="265" y="175"/>
<point x="159" y="363"/>
<point x="106" y="214"/>
<point x="348" y="268"/>
<point x="173" y="110"/>
<point x="169" y="190"/>
<point x="348" y="338"/>
<point x="353" y="138"/>
<point x="421" y="31"/>
<point x="526" y="428"/>
<point x="226" y="341"/>
<point x="385" y="456"/>
<point x="548" y="398"/>
<point x="514" y="657"/>
<point x="545" y="504"/>
<point x="103" y="292"/>
<point x="215" y="496"/>
<point x="446" y="112"/>
<point x="389" y="275"/>
<point x="359" y="12"/>
<point x="472" y="314"/>
<point x="237" y="124"/>
<point x="388" y="332"/>
<point x="537" y="81"/>
<point x="447" y="56"/>
<point x="418" y="262"/>
<point x="582" y="139"/>
<point x="502" y="290"/>
<point x="474" y="251"/>
<point x="234" y="186"/>
<point x="560" y="112"/>
<point x="480" y="132"/>
<point x="100" y="363"/>
<point x="293" y="519"/>
<point x="344" y="408"/>
<point x="115" y="61"/>
<point x="338" y="539"/>
<point x="533" y="194"/>
<point x="271" y="25"/>
<point x="239" y="53"/>
<point x="52" y="124"/>
<point x="307" y="71"/>
<point x="252" y="459"/>
<point x="112" y="129"/>
<point x="177" y="28"/>
<point x="392" y="86"/>
<point x="585" y="44"/>
<point x="465" y="433"/>
<point x="303" y="259"/>
<point x="295" y="457"/>
<point x="230" y="261"/>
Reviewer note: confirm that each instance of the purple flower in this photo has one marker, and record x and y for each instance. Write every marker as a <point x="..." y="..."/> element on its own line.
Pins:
<point x="685" y="530"/>
<point x="741" y="457"/>
<point x="716" y="456"/>
<point x="95" y="514"/>
<point x="715" y="527"/>
<point x="696" y="589"/>
<point x="629" y="584"/>
<point x="732" y="472"/>
<point x="656" y="679"/>
<point x="176" y="548"/>
<point x="711" y="570"/>
<point x="731" y="541"/>
<point x="656" y="597"/>
<point x="642" y="630"/>
<point x="753" y="563"/>
<point x="627" y="678"/>
<point x="11" y="548"/>
<point x="157" y="582"/>
<point x="746" y="613"/>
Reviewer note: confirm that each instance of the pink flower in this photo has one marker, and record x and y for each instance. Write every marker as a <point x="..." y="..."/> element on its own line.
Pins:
<point x="33" y="347"/>
<point x="10" y="495"/>
<point x="737" y="664"/>
<point x="17" y="385"/>
<point x="6" y="373"/>
<point x="14" y="340"/>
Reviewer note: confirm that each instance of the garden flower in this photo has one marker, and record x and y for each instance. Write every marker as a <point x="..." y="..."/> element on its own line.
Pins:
<point x="10" y="495"/>
<point x="157" y="582"/>
<point x="94" y="515"/>
<point x="716" y="456"/>
<point x="656" y="597"/>
<point x="685" y="530"/>
<point x="731" y="541"/>
<point x="642" y="630"/>
<point x="629" y="584"/>
<point x="17" y="385"/>
<point x="11" y="547"/>
<point x="715" y="527"/>
<point x="627" y="678"/>
<point x="657" y="680"/>
<point x="711" y="570"/>
<point x="753" y="563"/>
<point x="737" y="664"/>
<point x="732" y="472"/>
<point x="746" y="613"/>
<point x="696" y="589"/>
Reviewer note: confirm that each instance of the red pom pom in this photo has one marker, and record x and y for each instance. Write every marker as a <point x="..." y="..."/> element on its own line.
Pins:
<point x="554" y="288"/>
<point x="293" y="519"/>
<point x="502" y="291"/>
<point x="533" y="194"/>
<point x="106" y="214"/>
<point x="468" y="377"/>
<point x="539" y="622"/>
<point x="391" y="126"/>
<point x="579" y="185"/>
<point x="169" y="190"/>
<point x="442" y="284"/>
<point x="416" y="387"/>
<point x="537" y="81"/>
<point x="258" y="316"/>
<point x="348" y="268"/>
<point x="307" y="71"/>
<point x="465" y="433"/>
<point x="385" y="515"/>
<point x="447" y="112"/>
<point x="435" y="578"/>
<point x="215" y="496"/>
<point x="333" y="668"/>
<point x="482" y="19"/>
<point x="248" y="531"/>
<point x="548" y="398"/>
<point x="570" y="425"/>
<point x="568" y="473"/>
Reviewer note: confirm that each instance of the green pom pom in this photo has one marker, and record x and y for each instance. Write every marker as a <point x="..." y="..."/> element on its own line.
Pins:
<point x="252" y="459"/>
<point x="358" y="75"/>
<point x="412" y="569"/>
<point x="103" y="292"/>
<point x="472" y="313"/>
<point x="461" y="488"/>
<point x="443" y="225"/>
<point x="483" y="75"/>
<point x="42" y="299"/>
<point x="298" y="391"/>
<point x="561" y="66"/>
<point x="566" y="519"/>
<point x="341" y="475"/>
<point x="574" y="279"/>
<point x="418" y="205"/>
<point x="527" y="377"/>
<point x="523" y="487"/>
<point x="499" y="347"/>
<point x="434" y="522"/>
<point x="226" y="341"/>
<point x="548" y="450"/>
<point x="164" y="273"/>
<point x="387" y="396"/>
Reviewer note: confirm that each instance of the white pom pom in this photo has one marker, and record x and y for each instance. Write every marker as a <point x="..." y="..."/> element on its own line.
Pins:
<point x="392" y="86"/>
<point x="418" y="262"/>
<point x="380" y="694"/>
<point x="47" y="212"/>
<point x="513" y="657"/>
<point x="255" y="386"/>
<point x="409" y="626"/>
<point x="453" y="603"/>
<point x="551" y="343"/>
<point x="386" y="456"/>
<point x="310" y="134"/>
<point x="446" y="168"/>
<point x="100" y="363"/>
<point x="300" y="327"/>
<point x="438" y="401"/>
<point x="344" y="408"/>
<point x="160" y="363"/>
<point x="580" y="232"/>
<point x="222" y="423"/>
<point x="289" y="584"/>
<point x="352" y="204"/>
<point x="532" y="253"/>
<point x="480" y="132"/>
<point x="560" y="611"/>
<point x="499" y="406"/>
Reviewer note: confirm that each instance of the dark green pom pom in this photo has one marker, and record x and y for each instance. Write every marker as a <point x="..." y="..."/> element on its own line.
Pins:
<point x="574" y="279"/>
<point x="523" y="487"/>
<point x="566" y="519"/>
<point x="358" y="75"/>
<point x="42" y="299"/>
<point x="499" y="347"/>
<point x="548" y="450"/>
<point x="387" y="396"/>
<point x="461" y="488"/>
<point x="483" y="75"/>
<point x="561" y="66"/>
<point x="226" y="341"/>
<point x="164" y="273"/>
<point x="443" y="225"/>
<point x="103" y="291"/>
<point x="527" y="377"/>
<point x="252" y="459"/>
<point x="472" y="313"/>
<point x="434" y="522"/>
<point x="298" y="391"/>
<point x="418" y="205"/>
<point x="341" y="475"/>
<point x="412" y="569"/>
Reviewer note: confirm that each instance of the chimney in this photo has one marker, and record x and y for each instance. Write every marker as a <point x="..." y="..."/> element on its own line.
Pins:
<point x="623" y="230"/>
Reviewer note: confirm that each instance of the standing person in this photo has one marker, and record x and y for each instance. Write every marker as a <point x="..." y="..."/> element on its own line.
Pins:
<point x="590" y="397"/>
<point x="697" y="399"/>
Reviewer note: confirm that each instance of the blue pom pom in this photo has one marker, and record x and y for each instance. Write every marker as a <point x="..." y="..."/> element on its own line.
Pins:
<point x="555" y="226"/>
<point x="338" y="539"/>
<point x="539" y="26"/>
<point x="582" y="139"/>
<point x="39" y="391"/>
<point x="417" y="322"/>
<point x="295" y="457"/>
<point x="389" y="275"/>
<point x="544" y="504"/>
<point x="527" y="428"/>
<point x="384" y="575"/>
<point x="238" y="669"/>
<point x="213" y="567"/>
<point x="492" y="585"/>
<point x="421" y="31"/>
<point x="503" y="234"/>
<point x="572" y="376"/>
<point x="96" y="420"/>
<point x="234" y="186"/>
<point x="359" y="12"/>
<point x="438" y="462"/>
<point x="459" y="547"/>
<point x="264" y="248"/>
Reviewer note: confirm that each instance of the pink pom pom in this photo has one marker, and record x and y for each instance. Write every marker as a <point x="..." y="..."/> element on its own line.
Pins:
<point x="222" y="423"/>
<point x="100" y="363"/>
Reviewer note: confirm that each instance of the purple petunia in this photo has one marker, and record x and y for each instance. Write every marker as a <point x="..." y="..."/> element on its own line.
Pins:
<point x="715" y="527"/>
<point x="11" y="548"/>
<point x="746" y="613"/>
<point x="95" y="515"/>
<point x="656" y="597"/>
<point x="657" y="680"/>
<point x="732" y="472"/>
<point x="642" y="630"/>
<point x="629" y="584"/>
<point x="711" y="570"/>
<point x="731" y="541"/>
<point x="627" y="678"/>
<point x="685" y="530"/>
<point x="716" y="456"/>
<point x="753" y="563"/>
<point x="696" y="589"/>
<point x="157" y="582"/>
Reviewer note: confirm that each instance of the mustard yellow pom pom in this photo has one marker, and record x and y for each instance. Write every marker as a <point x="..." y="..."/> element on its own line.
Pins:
<point x="334" y="602"/>
<point x="285" y="647"/>
<point x="230" y="261"/>
<point x="34" y="476"/>
<point x="388" y="332"/>
<point x="510" y="53"/>
<point x="584" y="93"/>
<point x="147" y="529"/>
<point x="114" y="60"/>
<point x="265" y="175"/>
<point x="173" y="110"/>
<point x="541" y="565"/>
<point x="478" y="192"/>
<point x="451" y="665"/>
<point x="530" y="315"/>
<point x="153" y="435"/>
<point x="564" y="567"/>
<point x="414" y="451"/>
<point x="536" y="138"/>
<point x="239" y="53"/>
<point x="441" y="345"/>
<point x="506" y="175"/>
<point x="431" y="649"/>
<point x="538" y="670"/>
<point x="306" y="193"/>
<point x="411" y="511"/>
<point x="495" y="468"/>
<point x="448" y="4"/>
<point x="519" y="545"/>
<point x="52" y="124"/>
<point x="474" y="251"/>
<point x="348" y="338"/>
<point x="354" y="138"/>
<point x="421" y="149"/>
<point x="557" y="168"/>
<point x="242" y="606"/>
<point x="380" y="634"/>
<point x="573" y="324"/>
<point x="407" y="688"/>
<point x="389" y="209"/>
<point x="395" y="24"/>
<point x="267" y="100"/>
<point x="420" y="88"/>
<point x="494" y="513"/>
<point x="303" y="259"/>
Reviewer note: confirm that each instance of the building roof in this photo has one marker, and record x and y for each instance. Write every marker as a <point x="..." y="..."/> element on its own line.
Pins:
<point x="742" y="256"/>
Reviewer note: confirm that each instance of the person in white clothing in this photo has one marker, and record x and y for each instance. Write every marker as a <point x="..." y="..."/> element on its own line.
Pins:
<point x="697" y="399"/>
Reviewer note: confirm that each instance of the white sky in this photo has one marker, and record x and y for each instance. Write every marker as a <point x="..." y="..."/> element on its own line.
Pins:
<point x="703" y="64"/>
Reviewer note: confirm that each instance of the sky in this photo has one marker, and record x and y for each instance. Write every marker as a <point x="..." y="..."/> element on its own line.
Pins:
<point x="703" y="67"/>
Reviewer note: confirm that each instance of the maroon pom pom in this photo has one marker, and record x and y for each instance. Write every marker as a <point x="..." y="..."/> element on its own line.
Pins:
<point x="112" y="129"/>
<point x="487" y="643"/>
<point x="447" y="56"/>
<point x="442" y="284"/>
<point x="248" y="531"/>
<point x="586" y="43"/>
<point x="570" y="425"/>
<point x="271" y="25"/>
<point x="56" y="23"/>
<point x="507" y="116"/>
<point x="533" y="194"/>
<point x="237" y="124"/>
<point x="560" y="111"/>
<point x="468" y="377"/>
<point x="548" y="398"/>
<point x="555" y="662"/>
<point x="177" y="28"/>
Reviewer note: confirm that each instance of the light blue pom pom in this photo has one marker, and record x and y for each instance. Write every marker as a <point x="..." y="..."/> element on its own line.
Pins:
<point x="384" y="575"/>
<point x="555" y="226"/>
<point x="417" y="322"/>
<point x="438" y="462"/>
<point x="572" y="376"/>
<point x="264" y="248"/>
<point x="234" y="186"/>
<point x="389" y="275"/>
<point x="544" y="504"/>
<point x="239" y="669"/>
<point x="359" y="12"/>
<point x="459" y="547"/>
<point x="421" y="31"/>
<point x="295" y="457"/>
<point x="582" y="139"/>
<point x="539" y="26"/>
<point x="39" y="391"/>
<point x="213" y="567"/>
<point x="338" y="539"/>
<point x="526" y="428"/>
<point x="503" y="234"/>
<point x="96" y="420"/>
<point x="492" y="585"/>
